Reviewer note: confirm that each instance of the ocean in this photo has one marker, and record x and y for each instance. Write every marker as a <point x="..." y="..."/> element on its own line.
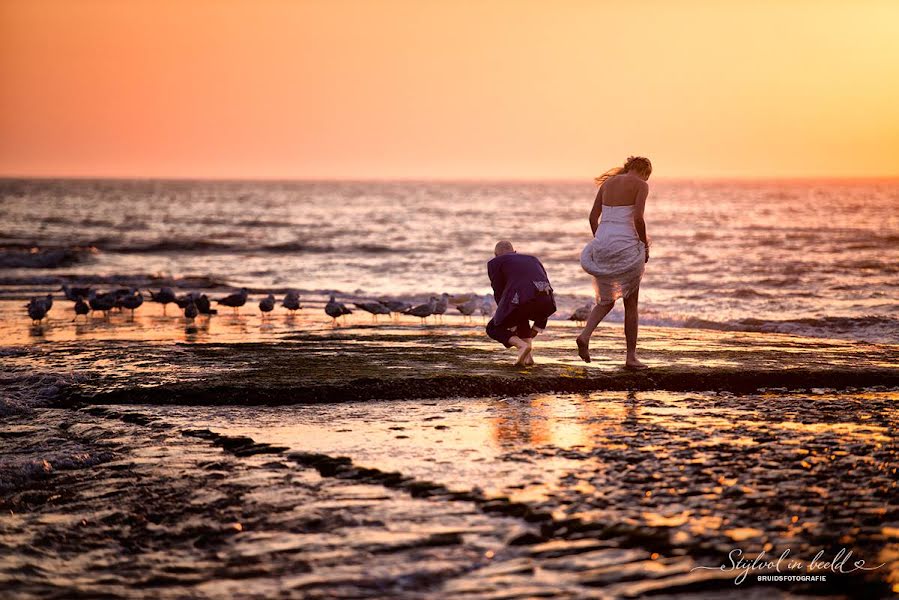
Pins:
<point x="812" y="258"/>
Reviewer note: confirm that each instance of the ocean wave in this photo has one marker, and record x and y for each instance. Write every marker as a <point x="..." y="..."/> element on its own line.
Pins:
<point x="201" y="246"/>
<point x="16" y="473"/>
<point x="21" y="393"/>
<point x="142" y="280"/>
<point x="744" y="292"/>
<point x="872" y="328"/>
<point x="867" y="265"/>
<point x="35" y="257"/>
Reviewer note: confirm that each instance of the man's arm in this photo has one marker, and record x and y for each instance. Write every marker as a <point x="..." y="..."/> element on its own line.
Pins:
<point x="496" y="280"/>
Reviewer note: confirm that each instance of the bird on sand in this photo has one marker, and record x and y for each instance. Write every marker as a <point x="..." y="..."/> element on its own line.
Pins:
<point x="335" y="309"/>
<point x="291" y="301"/>
<point x="580" y="315"/>
<point x="191" y="311"/>
<point x="375" y="308"/>
<point x="344" y="309"/>
<point x="37" y="310"/>
<point x="487" y="306"/>
<point x="183" y="301"/>
<point x="165" y="296"/>
<point x="81" y="308"/>
<point x="396" y="307"/>
<point x="457" y="299"/>
<point x="235" y="301"/>
<point x="423" y="311"/>
<point x="73" y="293"/>
<point x="132" y="301"/>
<point x="101" y="302"/>
<point x="441" y="306"/>
<point x="48" y="301"/>
<point x="120" y="295"/>
<point x="267" y="305"/>
<point x="204" y="306"/>
<point x="467" y="308"/>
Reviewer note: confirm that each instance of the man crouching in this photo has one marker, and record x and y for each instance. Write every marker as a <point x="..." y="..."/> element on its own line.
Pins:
<point x="523" y="294"/>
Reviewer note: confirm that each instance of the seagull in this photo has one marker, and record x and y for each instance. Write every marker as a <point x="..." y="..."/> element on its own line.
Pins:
<point x="204" y="306"/>
<point x="235" y="301"/>
<point x="132" y="301"/>
<point x="48" y="302"/>
<point x="334" y="309"/>
<point x="468" y="308"/>
<point x="344" y="309"/>
<point x="185" y="300"/>
<point x="423" y="311"/>
<point x="37" y="310"/>
<point x="457" y="299"/>
<point x="191" y="311"/>
<point x="487" y="307"/>
<point x="165" y="297"/>
<point x="441" y="306"/>
<point x="101" y="302"/>
<point x="120" y="295"/>
<point x="73" y="293"/>
<point x="267" y="305"/>
<point x="580" y="315"/>
<point x="291" y="301"/>
<point x="375" y="308"/>
<point x="396" y="307"/>
<point x="81" y="308"/>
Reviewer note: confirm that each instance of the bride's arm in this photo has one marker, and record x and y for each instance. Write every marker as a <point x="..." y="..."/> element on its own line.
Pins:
<point x="639" y="223"/>
<point x="597" y="210"/>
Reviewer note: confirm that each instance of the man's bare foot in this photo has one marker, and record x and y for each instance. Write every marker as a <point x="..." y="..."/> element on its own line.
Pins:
<point x="529" y="361"/>
<point x="524" y="353"/>
<point x="583" y="350"/>
<point x="633" y="363"/>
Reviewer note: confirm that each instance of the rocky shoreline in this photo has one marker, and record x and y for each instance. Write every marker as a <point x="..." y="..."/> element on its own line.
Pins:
<point x="409" y="462"/>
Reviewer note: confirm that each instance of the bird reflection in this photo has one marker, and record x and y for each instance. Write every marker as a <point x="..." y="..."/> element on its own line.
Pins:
<point x="521" y="422"/>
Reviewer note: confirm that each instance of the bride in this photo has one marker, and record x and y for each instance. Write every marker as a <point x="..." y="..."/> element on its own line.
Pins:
<point x="617" y="253"/>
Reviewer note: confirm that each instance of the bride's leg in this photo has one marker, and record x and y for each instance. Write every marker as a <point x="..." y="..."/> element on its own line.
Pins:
<point x="631" y="324"/>
<point x="583" y="340"/>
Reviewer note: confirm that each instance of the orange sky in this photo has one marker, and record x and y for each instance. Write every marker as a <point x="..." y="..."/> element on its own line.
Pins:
<point x="420" y="88"/>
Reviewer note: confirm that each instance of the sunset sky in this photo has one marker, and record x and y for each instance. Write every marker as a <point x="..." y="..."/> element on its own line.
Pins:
<point x="454" y="89"/>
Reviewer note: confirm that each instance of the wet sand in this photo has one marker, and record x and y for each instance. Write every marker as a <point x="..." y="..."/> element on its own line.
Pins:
<point x="293" y="459"/>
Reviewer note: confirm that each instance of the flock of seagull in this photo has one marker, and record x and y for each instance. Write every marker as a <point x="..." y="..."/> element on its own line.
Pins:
<point x="88" y="301"/>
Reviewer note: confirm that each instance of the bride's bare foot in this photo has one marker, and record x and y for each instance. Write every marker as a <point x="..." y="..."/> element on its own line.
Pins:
<point x="633" y="363"/>
<point x="583" y="349"/>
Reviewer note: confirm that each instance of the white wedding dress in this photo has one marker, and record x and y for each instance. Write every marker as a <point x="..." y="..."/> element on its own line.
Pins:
<point x="615" y="256"/>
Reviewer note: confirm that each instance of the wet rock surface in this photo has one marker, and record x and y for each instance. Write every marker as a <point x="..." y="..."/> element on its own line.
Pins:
<point x="606" y="495"/>
<point x="150" y="458"/>
<point x="364" y="362"/>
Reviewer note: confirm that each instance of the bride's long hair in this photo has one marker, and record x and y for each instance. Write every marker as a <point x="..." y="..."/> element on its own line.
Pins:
<point x="639" y="164"/>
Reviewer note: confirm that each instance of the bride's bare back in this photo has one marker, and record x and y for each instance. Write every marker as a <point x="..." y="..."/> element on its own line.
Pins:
<point x="622" y="190"/>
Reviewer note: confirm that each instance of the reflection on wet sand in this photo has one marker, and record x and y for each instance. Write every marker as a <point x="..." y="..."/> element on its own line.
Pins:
<point x="646" y="483"/>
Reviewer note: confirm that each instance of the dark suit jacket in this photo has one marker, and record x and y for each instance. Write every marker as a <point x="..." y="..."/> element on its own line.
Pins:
<point x="516" y="280"/>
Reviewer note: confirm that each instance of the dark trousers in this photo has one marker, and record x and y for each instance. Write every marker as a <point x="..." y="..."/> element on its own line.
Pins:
<point x="518" y="321"/>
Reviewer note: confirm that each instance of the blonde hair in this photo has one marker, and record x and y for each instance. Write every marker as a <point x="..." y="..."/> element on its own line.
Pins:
<point x="640" y="164"/>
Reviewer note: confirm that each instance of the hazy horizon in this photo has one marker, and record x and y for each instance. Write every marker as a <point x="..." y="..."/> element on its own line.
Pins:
<point x="400" y="90"/>
<point x="460" y="179"/>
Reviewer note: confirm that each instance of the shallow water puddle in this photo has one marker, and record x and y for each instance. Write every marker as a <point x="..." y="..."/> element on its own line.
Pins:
<point x="702" y="471"/>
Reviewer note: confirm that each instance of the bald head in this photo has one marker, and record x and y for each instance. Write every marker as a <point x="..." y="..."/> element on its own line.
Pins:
<point x="503" y="247"/>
